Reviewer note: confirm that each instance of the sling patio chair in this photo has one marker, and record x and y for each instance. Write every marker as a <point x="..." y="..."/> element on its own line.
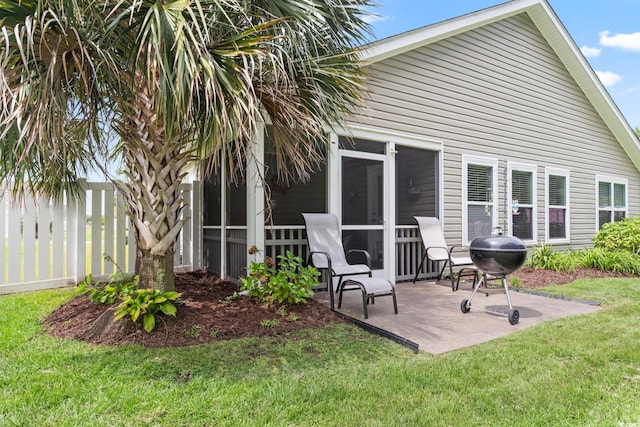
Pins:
<point x="326" y="252"/>
<point x="436" y="250"/>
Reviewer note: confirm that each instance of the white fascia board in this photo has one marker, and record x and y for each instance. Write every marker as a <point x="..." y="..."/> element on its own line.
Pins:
<point x="559" y="39"/>
<point x="401" y="43"/>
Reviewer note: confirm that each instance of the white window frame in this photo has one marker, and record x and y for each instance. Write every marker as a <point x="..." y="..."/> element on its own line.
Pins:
<point x="482" y="161"/>
<point x="533" y="169"/>
<point x="611" y="180"/>
<point x="567" y="174"/>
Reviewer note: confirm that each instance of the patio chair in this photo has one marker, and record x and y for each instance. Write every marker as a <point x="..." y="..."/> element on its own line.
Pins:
<point x="436" y="250"/>
<point x="326" y="252"/>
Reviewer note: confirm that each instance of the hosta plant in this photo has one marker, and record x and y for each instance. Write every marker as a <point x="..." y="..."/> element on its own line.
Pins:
<point x="145" y="304"/>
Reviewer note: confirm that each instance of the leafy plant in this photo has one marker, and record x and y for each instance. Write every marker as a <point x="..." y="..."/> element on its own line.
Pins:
<point x="515" y="281"/>
<point x="270" y="323"/>
<point x="616" y="261"/>
<point x="233" y="296"/>
<point x="145" y="304"/>
<point x="291" y="282"/>
<point x="619" y="235"/>
<point x="118" y="286"/>
<point x="545" y="258"/>
<point x="193" y="332"/>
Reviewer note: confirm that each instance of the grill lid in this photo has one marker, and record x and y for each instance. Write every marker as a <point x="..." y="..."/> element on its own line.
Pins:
<point x="498" y="244"/>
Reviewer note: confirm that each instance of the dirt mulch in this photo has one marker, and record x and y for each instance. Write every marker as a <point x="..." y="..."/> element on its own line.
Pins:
<point x="531" y="278"/>
<point x="205" y="316"/>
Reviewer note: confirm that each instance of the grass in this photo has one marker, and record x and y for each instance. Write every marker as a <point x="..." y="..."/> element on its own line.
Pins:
<point x="582" y="371"/>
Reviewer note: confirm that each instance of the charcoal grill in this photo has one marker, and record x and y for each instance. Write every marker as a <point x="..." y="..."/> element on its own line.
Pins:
<point x="496" y="256"/>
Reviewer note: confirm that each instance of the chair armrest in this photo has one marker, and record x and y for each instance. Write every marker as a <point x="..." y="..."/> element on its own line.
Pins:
<point x="439" y="247"/>
<point x="325" y="254"/>
<point x="366" y="254"/>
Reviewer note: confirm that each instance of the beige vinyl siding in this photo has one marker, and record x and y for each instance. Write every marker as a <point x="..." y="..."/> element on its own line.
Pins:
<point x="500" y="91"/>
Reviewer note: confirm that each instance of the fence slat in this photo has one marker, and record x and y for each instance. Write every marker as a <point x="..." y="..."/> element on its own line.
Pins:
<point x="3" y="238"/>
<point x="15" y="236"/>
<point x="96" y="232"/>
<point x="29" y="239"/>
<point x="109" y="237"/>
<point x="44" y="239"/>
<point x="57" y="240"/>
<point x="121" y="233"/>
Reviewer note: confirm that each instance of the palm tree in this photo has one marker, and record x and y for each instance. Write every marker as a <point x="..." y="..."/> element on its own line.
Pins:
<point x="173" y="82"/>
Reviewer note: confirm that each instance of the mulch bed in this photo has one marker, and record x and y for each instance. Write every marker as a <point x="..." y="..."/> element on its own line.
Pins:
<point x="207" y="315"/>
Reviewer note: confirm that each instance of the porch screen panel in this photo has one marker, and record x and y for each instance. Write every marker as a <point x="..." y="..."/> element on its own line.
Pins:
<point x="479" y="200"/>
<point x="557" y="196"/>
<point x="522" y="204"/>
<point x="291" y="197"/>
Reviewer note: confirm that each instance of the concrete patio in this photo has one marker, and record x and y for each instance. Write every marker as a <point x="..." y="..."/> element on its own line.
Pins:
<point x="429" y="314"/>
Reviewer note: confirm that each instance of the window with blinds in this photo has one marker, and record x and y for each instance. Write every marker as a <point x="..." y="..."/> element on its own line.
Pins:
<point x="522" y="204"/>
<point x="480" y="200"/>
<point x="612" y="200"/>
<point x="557" y="205"/>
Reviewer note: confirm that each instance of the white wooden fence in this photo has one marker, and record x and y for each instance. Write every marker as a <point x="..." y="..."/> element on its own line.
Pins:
<point x="44" y="244"/>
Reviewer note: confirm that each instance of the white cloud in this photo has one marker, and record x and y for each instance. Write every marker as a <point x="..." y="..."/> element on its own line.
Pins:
<point x="591" y="52"/>
<point x="372" y="17"/>
<point x="622" y="41"/>
<point x="608" y="78"/>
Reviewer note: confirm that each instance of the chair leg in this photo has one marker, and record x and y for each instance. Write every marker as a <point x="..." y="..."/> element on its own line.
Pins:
<point x="365" y="297"/>
<point x="420" y="266"/>
<point x="453" y="283"/>
<point x="395" y="303"/>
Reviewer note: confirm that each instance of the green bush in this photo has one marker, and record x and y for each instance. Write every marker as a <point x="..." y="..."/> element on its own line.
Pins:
<point x="145" y="304"/>
<point x="291" y="282"/>
<point x="545" y="258"/>
<point x="619" y="235"/>
<point x="118" y="286"/>
<point x="616" y="261"/>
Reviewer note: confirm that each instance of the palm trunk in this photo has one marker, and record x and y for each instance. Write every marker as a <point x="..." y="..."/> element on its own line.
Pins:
<point x="155" y="169"/>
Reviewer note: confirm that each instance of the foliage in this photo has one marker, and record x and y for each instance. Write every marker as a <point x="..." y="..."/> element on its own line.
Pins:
<point x="116" y="288"/>
<point x="165" y="84"/>
<point x="545" y="258"/>
<point x="270" y="323"/>
<point x="291" y="282"/>
<point x="194" y="332"/>
<point x="145" y="304"/>
<point x="619" y="235"/>
<point x="616" y="261"/>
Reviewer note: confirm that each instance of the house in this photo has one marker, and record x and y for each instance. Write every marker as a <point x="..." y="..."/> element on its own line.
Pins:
<point x="492" y="119"/>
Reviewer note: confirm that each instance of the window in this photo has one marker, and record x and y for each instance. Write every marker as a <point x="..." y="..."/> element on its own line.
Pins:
<point x="557" y="198"/>
<point x="612" y="199"/>
<point x="479" y="188"/>
<point x="523" y="180"/>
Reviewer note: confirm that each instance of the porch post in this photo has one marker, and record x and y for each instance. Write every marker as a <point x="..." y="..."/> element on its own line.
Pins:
<point x="197" y="196"/>
<point x="255" y="194"/>
<point x="334" y="173"/>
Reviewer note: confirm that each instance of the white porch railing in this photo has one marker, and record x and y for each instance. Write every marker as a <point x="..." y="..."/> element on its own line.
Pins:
<point x="409" y="249"/>
<point x="44" y="244"/>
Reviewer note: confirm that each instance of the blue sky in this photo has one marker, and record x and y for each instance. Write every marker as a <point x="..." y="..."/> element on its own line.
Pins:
<point x="607" y="32"/>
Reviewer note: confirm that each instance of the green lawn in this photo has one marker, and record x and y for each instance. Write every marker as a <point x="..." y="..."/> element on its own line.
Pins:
<point x="578" y="371"/>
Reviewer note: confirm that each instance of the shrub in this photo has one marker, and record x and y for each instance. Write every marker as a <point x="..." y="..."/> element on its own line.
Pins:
<point x="118" y="286"/>
<point x="616" y="261"/>
<point x="545" y="258"/>
<point x="619" y="235"/>
<point x="291" y="282"/>
<point x="145" y="304"/>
